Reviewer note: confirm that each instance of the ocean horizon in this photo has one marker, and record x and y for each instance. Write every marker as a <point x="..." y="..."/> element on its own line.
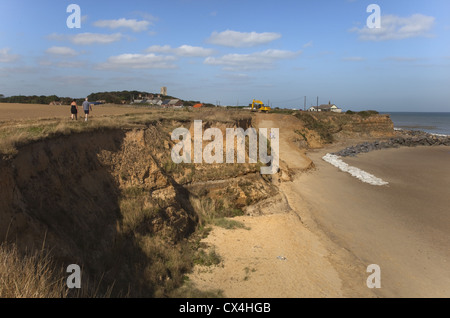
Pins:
<point x="430" y="122"/>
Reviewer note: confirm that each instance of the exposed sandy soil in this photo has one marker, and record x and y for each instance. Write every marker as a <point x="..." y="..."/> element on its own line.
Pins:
<point x="281" y="254"/>
<point x="334" y="226"/>
<point x="32" y="111"/>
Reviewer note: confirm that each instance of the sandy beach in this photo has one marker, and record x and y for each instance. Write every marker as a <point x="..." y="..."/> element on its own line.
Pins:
<point x="403" y="227"/>
<point x="335" y="226"/>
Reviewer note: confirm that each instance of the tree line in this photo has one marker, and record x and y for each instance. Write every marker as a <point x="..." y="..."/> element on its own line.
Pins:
<point x="117" y="97"/>
<point x="114" y="97"/>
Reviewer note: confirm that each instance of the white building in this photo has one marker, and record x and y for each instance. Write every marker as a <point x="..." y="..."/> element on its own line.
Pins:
<point x="325" y="108"/>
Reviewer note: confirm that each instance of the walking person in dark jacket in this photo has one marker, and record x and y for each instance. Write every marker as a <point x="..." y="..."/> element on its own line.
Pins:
<point x="86" y="107"/>
<point x="74" y="110"/>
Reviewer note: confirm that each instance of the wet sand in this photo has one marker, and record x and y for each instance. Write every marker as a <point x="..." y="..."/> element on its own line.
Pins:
<point x="403" y="227"/>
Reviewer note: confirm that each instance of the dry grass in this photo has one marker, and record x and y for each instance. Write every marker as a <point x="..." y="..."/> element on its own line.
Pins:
<point x="15" y="133"/>
<point x="32" y="276"/>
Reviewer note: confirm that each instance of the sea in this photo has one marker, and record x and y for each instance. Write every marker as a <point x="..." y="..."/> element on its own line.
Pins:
<point x="435" y="123"/>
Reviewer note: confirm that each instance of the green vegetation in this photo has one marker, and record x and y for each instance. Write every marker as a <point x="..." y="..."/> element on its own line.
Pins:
<point x="207" y="258"/>
<point x="322" y="127"/>
<point x="326" y="124"/>
<point x="301" y="133"/>
<point x="113" y="97"/>
<point x="277" y="110"/>
<point x="229" y="224"/>
<point x="38" y="99"/>
<point x="364" y="113"/>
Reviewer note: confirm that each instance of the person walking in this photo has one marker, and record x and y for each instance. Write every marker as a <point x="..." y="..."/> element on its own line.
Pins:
<point x="74" y="110"/>
<point x="86" y="107"/>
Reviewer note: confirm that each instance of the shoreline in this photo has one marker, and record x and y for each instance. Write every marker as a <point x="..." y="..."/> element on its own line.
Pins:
<point x="408" y="138"/>
<point x="333" y="226"/>
<point x="403" y="227"/>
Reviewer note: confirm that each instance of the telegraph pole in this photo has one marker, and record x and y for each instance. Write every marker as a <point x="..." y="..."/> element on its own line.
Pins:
<point x="304" y="105"/>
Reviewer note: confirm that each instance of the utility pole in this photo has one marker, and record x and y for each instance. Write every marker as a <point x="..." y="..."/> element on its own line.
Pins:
<point x="317" y="101"/>
<point x="304" y="105"/>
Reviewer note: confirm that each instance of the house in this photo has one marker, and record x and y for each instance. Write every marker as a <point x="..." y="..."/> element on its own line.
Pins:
<point x="165" y="103"/>
<point x="176" y="103"/>
<point x="325" y="108"/>
<point x="173" y="103"/>
<point x="156" y="101"/>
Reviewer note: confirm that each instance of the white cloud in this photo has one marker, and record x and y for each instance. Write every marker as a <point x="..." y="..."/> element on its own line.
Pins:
<point x="242" y="39"/>
<point x="253" y="61"/>
<point x="95" y="38"/>
<point x="133" y="24"/>
<point x="160" y="49"/>
<point x="61" y="50"/>
<point x="6" y="57"/>
<point x="309" y="44"/>
<point x="138" y="61"/>
<point x="146" y="16"/>
<point x="187" y="50"/>
<point x="184" y="50"/>
<point x="397" y="28"/>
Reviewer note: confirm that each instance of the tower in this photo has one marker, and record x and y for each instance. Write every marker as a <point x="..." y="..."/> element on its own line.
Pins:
<point x="164" y="91"/>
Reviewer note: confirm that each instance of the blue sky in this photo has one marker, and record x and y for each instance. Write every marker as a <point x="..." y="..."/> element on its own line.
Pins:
<point x="230" y="52"/>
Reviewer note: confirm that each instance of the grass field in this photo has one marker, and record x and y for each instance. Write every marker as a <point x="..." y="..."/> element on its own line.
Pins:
<point x="34" y="111"/>
<point x="22" y="123"/>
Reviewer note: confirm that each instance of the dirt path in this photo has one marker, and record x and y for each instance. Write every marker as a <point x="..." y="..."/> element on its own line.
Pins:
<point x="282" y="254"/>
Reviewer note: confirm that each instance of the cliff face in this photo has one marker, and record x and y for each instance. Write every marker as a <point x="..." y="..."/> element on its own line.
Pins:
<point x="373" y="126"/>
<point x="114" y="203"/>
<point x="317" y="129"/>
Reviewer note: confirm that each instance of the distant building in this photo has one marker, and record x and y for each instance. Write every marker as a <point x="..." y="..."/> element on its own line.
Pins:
<point x="164" y="91"/>
<point x="325" y="108"/>
<point x="156" y="101"/>
<point x="175" y="103"/>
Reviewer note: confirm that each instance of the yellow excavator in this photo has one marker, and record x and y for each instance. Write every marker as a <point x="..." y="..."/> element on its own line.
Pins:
<point x="258" y="105"/>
